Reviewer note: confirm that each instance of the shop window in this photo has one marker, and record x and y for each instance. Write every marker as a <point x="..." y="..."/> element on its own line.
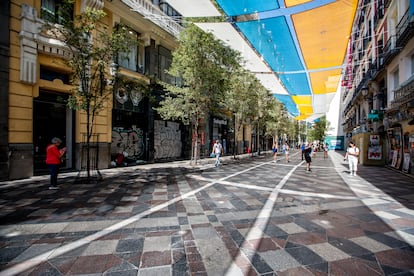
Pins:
<point x="55" y="11"/>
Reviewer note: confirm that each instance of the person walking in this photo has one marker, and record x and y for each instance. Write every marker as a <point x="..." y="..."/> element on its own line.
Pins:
<point x="287" y="152"/>
<point x="217" y="150"/>
<point x="302" y="148"/>
<point x="53" y="161"/>
<point x="325" y="150"/>
<point x="274" y="150"/>
<point x="352" y="154"/>
<point x="308" y="152"/>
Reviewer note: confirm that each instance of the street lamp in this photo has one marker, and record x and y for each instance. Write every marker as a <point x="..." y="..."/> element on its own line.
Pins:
<point x="364" y="91"/>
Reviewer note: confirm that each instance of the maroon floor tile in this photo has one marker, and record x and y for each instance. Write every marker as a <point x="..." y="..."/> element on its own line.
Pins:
<point x="280" y="242"/>
<point x="307" y="238"/>
<point x="398" y="258"/>
<point x="354" y="266"/>
<point x="345" y="232"/>
<point x="196" y="267"/>
<point x="156" y="258"/>
<point x="193" y="258"/>
<point x="378" y="227"/>
<point x="259" y="244"/>
<point x="94" y="264"/>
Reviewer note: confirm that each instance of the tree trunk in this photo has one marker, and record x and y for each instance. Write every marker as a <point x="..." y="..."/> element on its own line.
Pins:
<point x="195" y="143"/>
<point x="88" y="139"/>
<point x="235" y="148"/>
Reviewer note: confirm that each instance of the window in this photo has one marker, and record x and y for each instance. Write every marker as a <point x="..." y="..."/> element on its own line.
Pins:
<point x="412" y="64"/>
<point x="396" y="78"/>
<point x="53" y="11"/>
<point x="165" y="60"/>
<point x="130" y="60"/>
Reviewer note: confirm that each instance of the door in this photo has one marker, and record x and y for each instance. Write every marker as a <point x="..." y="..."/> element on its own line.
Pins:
<point x="51" y="118"/>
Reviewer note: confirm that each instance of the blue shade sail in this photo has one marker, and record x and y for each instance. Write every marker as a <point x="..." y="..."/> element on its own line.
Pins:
<point x="241" y="7"/>
<point x="297" y="84"/>
<point x="289" y="103"/>
<point x="273" y="40"/>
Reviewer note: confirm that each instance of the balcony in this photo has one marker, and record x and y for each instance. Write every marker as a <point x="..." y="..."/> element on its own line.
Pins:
<point x="390" y="50"/>
<point x="154" y="14"/>
<point x="404" y="94"/>
<point x="405" y="29"/>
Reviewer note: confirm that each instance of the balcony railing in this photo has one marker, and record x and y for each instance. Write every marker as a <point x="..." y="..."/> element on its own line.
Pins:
<point x="154" y="14"/>
<point x="390" y="49"/>
<point x="405" y="29"/>
<point x="404" y="94"/>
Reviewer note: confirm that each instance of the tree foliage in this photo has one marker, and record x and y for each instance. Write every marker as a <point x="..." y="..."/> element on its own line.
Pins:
<point x="203" y="64"/>
<point x="319" y="129"/>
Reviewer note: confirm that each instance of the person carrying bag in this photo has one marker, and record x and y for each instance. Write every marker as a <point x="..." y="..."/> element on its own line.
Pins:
<point x="352" y="154"/>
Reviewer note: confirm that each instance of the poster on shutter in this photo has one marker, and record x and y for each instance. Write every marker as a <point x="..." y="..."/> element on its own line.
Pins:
<point x="374" y="148"/>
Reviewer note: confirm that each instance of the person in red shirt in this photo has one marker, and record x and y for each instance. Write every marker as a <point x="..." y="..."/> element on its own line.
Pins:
<point x="53" y="160"/>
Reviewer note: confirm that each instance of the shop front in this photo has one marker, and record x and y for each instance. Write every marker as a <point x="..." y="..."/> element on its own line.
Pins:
<point x="408" y="149"/>
<point x="394" y="146"/>
<point x="130" y="139"/>
<point x="220" y="132"/>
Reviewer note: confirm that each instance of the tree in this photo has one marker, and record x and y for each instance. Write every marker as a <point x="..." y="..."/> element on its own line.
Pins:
<point x="203" y="63"/>
<point x="319" y="129"/>
<point x="92" y="48"/>
<point x="273" y="118"/>
<point x="241" y="100"/>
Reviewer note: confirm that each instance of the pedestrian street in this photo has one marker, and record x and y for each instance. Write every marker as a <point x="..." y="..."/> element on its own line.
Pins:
<point x="250" y="216"/>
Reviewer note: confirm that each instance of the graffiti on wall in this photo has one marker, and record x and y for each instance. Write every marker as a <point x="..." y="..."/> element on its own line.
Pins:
<point x="167" y="139"/>
<point x="127" y="146"/>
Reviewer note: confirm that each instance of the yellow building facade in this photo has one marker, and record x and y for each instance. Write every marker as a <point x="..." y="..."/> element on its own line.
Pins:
<point x="38" y="82"/>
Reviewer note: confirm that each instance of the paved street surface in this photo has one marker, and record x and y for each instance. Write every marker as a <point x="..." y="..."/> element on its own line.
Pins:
<point x="247" y="217"/>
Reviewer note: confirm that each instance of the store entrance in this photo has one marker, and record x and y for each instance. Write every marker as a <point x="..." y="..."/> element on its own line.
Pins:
<point x="51" y="118"/>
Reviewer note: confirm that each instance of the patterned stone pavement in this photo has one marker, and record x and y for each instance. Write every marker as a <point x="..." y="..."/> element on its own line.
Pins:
<point x="248" y="217"/>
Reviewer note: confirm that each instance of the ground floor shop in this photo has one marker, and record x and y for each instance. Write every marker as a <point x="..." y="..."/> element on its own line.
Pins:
<point x="400" y="145"/>
<point x="137" y="136"/>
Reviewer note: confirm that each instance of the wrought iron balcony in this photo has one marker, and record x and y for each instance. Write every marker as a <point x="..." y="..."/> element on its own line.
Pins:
<point x="404" y="94"/>
<point x="390" y="50"/>
<point x="405" y="29"/>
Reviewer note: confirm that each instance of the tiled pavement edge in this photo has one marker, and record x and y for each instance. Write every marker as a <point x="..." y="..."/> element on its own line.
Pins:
<point x="250" y="217"/>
